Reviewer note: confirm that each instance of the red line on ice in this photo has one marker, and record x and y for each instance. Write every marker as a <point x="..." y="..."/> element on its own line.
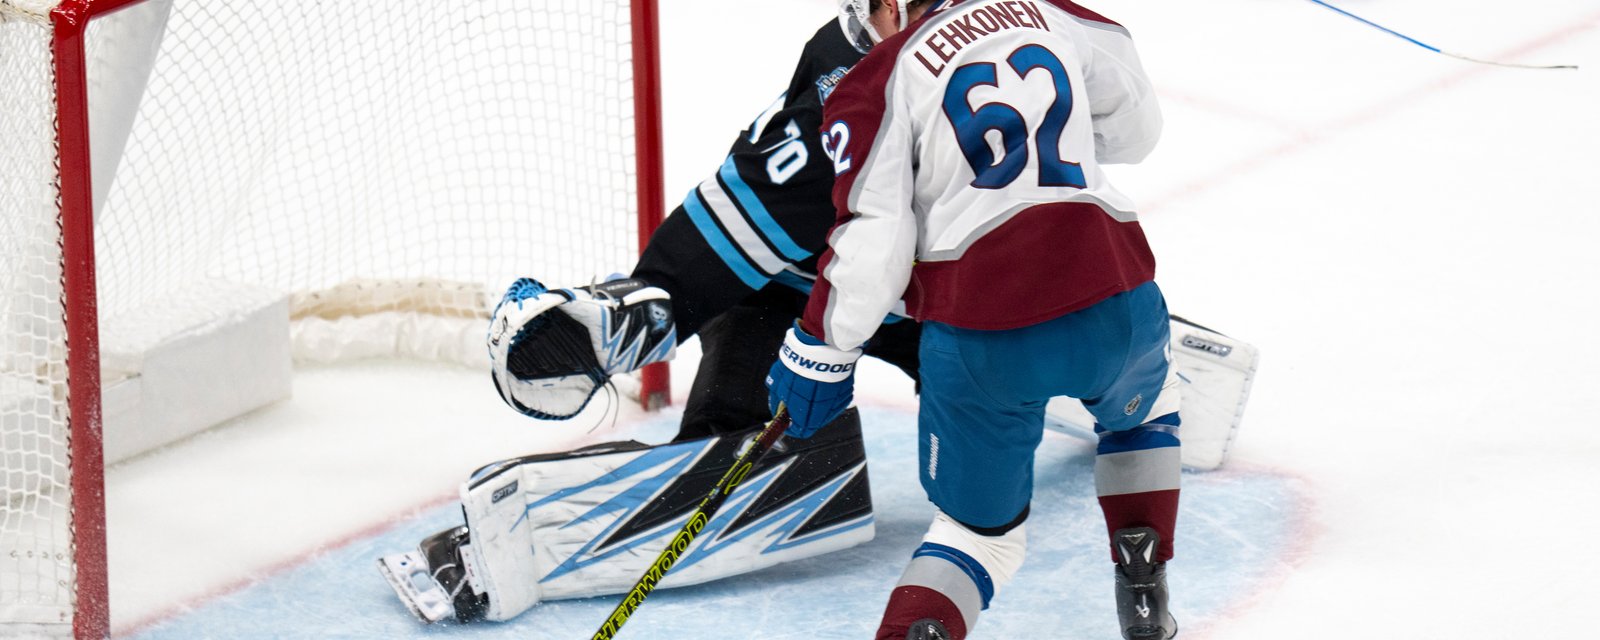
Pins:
<point x="1308" y="137"/>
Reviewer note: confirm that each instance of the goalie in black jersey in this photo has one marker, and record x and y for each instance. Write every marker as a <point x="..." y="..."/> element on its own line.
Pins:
<point x="733" y="264"/>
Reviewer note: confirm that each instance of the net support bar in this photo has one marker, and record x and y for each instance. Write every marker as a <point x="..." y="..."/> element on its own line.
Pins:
<point x="91" y="616"/>
<point x="655" y="390"/>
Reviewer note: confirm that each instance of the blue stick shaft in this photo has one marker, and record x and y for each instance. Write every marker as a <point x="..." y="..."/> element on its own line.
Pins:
<point x="1380" y="27"/>
<point x="1434" y="49"/>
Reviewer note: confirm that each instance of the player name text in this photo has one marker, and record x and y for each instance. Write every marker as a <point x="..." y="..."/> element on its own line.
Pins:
<point x="973" y="25"/>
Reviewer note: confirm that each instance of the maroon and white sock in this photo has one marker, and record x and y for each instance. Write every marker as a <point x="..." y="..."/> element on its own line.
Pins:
<point x="1136" y="474"/>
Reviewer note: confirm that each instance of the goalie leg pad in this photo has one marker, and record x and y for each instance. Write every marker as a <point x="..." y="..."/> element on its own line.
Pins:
<point x="552" y="350"/>
<point x="1214" y="372"/>
<point x="589" y="522"/>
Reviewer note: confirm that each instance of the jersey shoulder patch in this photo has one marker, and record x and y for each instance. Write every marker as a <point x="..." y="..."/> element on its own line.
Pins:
<point x="827" y="81"/>
<point x="823" y="63"/>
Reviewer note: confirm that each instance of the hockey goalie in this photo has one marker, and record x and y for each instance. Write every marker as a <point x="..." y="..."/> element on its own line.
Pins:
<point x="586" y="522"/>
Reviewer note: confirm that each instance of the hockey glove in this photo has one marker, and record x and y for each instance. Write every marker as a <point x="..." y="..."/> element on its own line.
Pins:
<point x="551" y="349"/>
<point x="814" y="379"/>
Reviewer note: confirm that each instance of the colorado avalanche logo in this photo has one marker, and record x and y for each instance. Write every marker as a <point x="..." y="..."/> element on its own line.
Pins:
<point x="828" y="81"/>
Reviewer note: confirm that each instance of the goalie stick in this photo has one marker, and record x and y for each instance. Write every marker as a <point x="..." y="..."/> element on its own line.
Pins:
<point x="680" y="543"/>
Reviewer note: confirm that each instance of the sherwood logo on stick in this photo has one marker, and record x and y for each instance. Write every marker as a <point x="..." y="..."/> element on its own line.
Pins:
<point x="669" y="556"/>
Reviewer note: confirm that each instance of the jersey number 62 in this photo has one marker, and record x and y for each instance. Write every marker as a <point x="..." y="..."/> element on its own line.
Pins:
<point x="973" y="125"/>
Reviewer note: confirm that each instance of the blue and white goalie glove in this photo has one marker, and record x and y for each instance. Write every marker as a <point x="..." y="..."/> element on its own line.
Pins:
<point x="813" y="379"/>
<point x="552" y="349"/>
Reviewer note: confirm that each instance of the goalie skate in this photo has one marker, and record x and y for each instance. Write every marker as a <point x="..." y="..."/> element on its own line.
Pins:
<point x="433" y="581"/>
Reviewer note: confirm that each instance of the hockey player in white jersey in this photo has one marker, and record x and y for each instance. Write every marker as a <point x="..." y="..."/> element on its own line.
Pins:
<point x="967" y="148"/>
<point x="552" y="349"/>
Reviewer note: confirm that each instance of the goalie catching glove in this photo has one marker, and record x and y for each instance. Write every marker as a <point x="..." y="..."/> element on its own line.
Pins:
<point x="552" y="349"/>
<point x="814" y="379"/>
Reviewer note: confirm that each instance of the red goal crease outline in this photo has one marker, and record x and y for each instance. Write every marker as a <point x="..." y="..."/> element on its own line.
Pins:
<point x="1301" y="138"/>
<point x="1297" y="540"/>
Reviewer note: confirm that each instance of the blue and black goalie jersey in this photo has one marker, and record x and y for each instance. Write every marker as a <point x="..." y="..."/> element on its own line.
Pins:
<point x="764" y="215"/>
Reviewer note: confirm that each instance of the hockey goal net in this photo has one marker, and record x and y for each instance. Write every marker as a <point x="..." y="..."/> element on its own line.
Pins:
<point x="196" y="193"/>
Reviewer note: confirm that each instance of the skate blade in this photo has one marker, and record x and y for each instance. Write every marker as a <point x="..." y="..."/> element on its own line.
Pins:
<point x="408" y="574"/>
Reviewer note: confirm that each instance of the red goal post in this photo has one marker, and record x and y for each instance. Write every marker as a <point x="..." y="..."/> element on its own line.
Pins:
<point x="175" y="175"/>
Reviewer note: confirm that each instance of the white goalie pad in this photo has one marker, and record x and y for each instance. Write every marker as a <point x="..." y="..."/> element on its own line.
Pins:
<point x="590" y="522"/>
<point x="1216" y="373"/>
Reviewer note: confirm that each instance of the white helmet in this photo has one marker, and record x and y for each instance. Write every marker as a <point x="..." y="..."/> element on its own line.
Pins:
<point x="853" y="20"/>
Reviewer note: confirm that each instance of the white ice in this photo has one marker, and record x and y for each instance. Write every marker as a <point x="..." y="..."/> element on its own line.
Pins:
<point x="1410" y="240"/>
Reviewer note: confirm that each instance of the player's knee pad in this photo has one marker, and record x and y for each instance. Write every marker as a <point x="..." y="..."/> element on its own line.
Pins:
<point x="952" y="577"/>
<point x="552" y="349"/>
<point x="1000" y="556"/>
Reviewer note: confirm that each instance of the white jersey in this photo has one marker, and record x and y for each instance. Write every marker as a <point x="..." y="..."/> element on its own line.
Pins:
<point x="969" y="147"/>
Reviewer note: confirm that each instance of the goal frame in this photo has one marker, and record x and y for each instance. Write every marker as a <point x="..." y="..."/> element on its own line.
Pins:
<point x="69" y="20"/>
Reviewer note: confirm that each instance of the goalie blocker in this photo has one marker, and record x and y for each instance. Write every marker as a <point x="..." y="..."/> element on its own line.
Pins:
<point x="587" y="522"/>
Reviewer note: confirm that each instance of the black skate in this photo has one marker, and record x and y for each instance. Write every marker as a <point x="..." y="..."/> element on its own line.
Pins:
<point x="432" y="581"/>
<point x="927" y="629"/>
<point x="1142" y="586"/>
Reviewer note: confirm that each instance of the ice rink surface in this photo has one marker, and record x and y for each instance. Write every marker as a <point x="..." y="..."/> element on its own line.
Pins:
<point x="1409" y="239"/>
<point x="840" y="595"/>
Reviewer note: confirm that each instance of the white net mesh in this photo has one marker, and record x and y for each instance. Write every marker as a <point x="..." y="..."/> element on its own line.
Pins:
<point x="35" y="545"/>
<point x="275" y="146"/>
<point x="299" y="153"/>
